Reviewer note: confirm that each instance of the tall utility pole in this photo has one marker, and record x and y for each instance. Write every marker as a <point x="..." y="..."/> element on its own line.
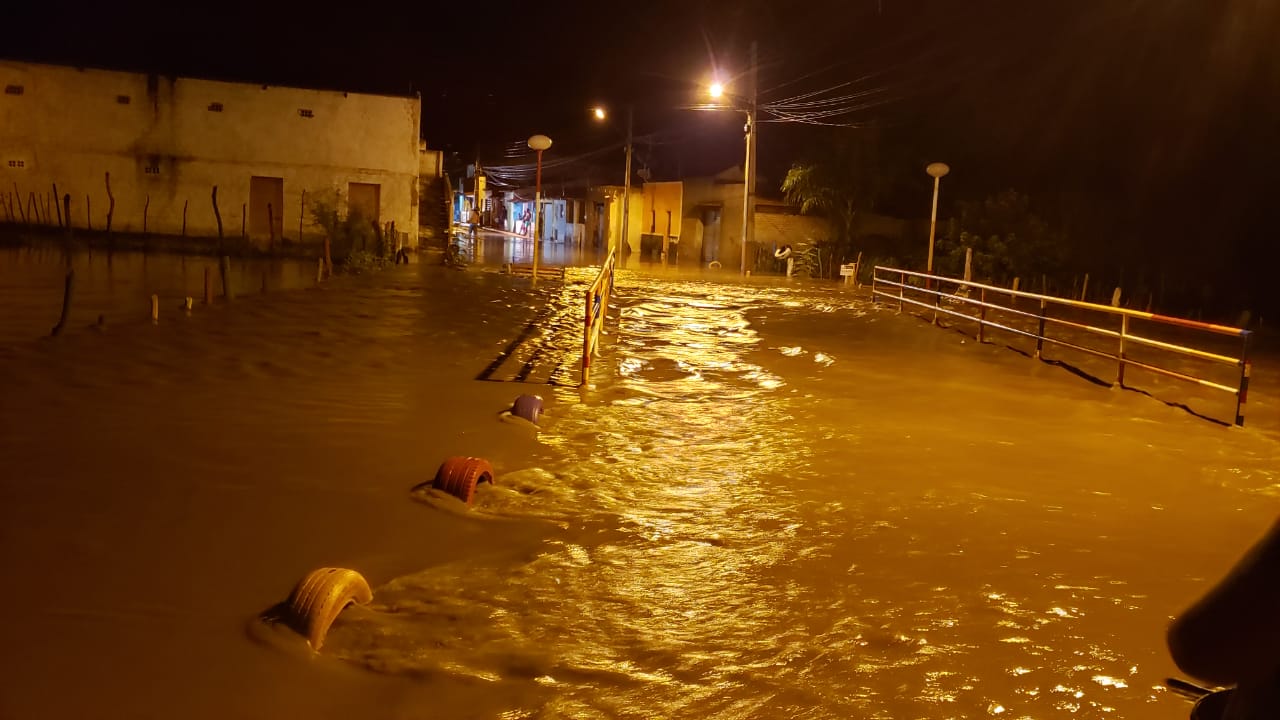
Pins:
<point x="749" y="165"/>
<point x="626" y="183"/>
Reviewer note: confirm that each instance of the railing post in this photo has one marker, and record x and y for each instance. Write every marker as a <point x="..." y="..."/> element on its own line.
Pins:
<point x="1242" y="395"/>
<point x="586" y="339"/>
<point x="982" y="314"/>
<point x="937" y="299"/>
<point x="1040" y="330"/>
<point x="1124" y="332"/>
<point x="875" y="299"/>
<point x="902" y="287"/>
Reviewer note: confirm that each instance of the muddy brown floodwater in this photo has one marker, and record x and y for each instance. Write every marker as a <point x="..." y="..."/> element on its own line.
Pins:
<point x="776" y="501"/>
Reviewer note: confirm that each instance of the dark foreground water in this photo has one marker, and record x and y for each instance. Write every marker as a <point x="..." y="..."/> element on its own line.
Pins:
<point x="775" y="502"/>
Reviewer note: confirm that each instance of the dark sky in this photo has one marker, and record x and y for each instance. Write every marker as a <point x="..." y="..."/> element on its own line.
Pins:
<point x="1164" y="111"/>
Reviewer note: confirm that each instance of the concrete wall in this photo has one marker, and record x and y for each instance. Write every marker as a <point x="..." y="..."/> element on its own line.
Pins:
<point x="611" y="197"/>
<point x="430" y="163"/>
<point x="167" y="141"/>
<point x="700" y="193"/>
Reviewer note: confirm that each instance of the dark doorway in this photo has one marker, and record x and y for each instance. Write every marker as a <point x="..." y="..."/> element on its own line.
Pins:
<point x="710" y="235"/>
<point x="266" y="207"/>
<point x="364" y="198"/>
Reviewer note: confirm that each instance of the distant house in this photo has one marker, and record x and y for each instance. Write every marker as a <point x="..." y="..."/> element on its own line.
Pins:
<point x="167" y="141"/>
<point x="698" y="221"/>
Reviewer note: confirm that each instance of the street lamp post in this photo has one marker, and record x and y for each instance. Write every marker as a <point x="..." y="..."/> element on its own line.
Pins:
<point x="537" y="143"/>
<point x="600" y="114"/>
<point x="748" y="106"/>
<point x="626" y="187"/>
<point x="936" y="171"/>
<point x="748" y="181"/>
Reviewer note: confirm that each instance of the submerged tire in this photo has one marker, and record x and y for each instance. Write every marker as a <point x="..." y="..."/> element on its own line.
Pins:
<point x="318" y="599"/>
<point x="459" y="476"/>
<point x="528" y="407"/>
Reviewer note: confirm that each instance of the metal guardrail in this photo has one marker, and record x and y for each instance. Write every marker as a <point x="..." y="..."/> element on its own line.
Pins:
<point x="886" y="277"/>
<point x="597" y="311"/>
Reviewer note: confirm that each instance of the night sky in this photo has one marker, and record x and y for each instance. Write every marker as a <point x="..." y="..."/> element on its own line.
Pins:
<point x="1159" y="115"/>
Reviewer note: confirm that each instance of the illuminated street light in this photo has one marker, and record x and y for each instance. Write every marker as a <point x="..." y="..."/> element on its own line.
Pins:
<point x="537" y="143"/>
<point x="626" y="178"/>
<point x="936" y="171"/>
<point x="746" y="105"/>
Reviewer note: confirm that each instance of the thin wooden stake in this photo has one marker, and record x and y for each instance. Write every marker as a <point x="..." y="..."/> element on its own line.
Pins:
<point x="217" y="215"/>
<point x="145" y="207"/>
<point x="111" y="207"/>
<point x="17" y="195"/>
<point x="225" y="265"/>
<point x="184" y="217"/>
<point x="66" y="302"/>
<point x="271" y="228"/>
<point x="57" y="202"/>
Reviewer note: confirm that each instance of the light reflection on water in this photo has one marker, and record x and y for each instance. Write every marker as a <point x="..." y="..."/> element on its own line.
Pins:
<point x="729" y="551"/>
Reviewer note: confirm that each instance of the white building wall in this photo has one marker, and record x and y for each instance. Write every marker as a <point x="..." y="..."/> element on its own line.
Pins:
<point x="165" y="147"/>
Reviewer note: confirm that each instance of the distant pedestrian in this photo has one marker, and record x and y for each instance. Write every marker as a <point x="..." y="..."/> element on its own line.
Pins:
<point x="475" y="221"/>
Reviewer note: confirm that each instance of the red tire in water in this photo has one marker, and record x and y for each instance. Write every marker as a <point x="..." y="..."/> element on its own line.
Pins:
<point x="459" y="476"/>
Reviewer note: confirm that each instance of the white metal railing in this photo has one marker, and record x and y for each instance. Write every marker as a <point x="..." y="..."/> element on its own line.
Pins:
<point x="597" y="311"/>
<point x="886" y="277"/>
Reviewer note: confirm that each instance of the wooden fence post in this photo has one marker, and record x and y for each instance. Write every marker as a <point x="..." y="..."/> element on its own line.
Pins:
<point x="66" y="302"/>
<point x="225" y="265"/>
<point x="111" y="207"/>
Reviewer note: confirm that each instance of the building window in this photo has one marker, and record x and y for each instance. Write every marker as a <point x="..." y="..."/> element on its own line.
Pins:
<point x="305" y="112"/>
<point x="14" y="89"/>
<point x="123" y="99"/>
<point x="215" y="107"/>
<point x="152" y="170"/>
<point x="17" y="163"/>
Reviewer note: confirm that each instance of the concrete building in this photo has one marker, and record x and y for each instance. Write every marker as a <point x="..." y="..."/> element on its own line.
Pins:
<point x="603" y="218"/>
<point x="167" y="141"/>
<point x="698" y="221"/>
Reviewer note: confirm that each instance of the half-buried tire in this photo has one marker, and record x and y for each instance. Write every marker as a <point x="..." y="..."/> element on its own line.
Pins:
<point x="459" y="476"/>
<point x="319" y="598"/>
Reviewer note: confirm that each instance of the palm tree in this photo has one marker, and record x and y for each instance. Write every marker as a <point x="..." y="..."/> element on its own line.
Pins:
<point x="847" y="181"/>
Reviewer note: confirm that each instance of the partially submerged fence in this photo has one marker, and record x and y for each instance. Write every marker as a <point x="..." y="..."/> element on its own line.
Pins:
<point x="597" y="311"/>
<point x="943" y="296"/>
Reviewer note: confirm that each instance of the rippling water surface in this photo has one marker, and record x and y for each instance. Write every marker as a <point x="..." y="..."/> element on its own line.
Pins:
<point x="773" y="501"/>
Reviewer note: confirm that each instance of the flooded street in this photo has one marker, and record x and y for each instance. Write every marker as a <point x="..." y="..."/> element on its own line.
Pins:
<point x="119" y="285"/>
<point x="774" y="501"/>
